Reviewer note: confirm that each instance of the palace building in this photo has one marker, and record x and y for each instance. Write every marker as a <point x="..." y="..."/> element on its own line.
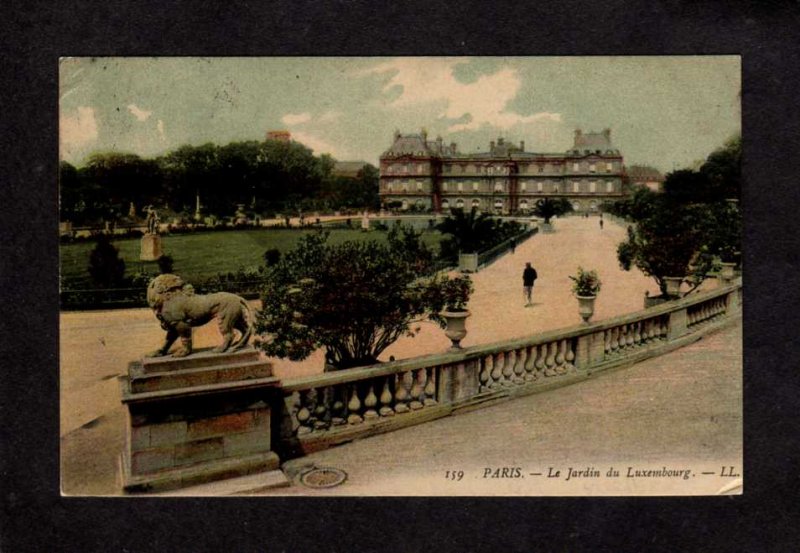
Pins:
<point x="428" y="175"/>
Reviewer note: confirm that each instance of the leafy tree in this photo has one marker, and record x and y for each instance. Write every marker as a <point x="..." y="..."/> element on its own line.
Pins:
<point x="469" y="231"/>
<point x="106" y="268"/>
<point x="165" y="264"/>
<point x="547" y="208"/>
<point x="354" y="299"/>
<point x="723" y="170"/>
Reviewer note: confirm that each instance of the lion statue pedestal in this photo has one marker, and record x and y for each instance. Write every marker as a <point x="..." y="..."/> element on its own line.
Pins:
<point x="198" y="419"/>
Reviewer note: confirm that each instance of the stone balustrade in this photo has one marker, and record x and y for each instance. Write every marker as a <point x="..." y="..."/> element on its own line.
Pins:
<point x="323" y="410"/>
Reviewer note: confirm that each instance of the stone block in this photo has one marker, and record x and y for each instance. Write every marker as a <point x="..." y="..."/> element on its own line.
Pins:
<point x="247" y="443"/>
<point x="199" y="450"/>
<point x="170" y="433"/>
<point x="151" y="247"/>
<point x="221" y="425"/>
<point x="152" y="460"/>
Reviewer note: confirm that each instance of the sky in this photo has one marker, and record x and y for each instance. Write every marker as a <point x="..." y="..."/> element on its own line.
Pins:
<point x="664" y="111"/>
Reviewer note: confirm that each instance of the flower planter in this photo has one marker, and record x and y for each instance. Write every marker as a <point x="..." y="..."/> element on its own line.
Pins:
<point x="586" y="307"/>
<point x="456" y="326"/>
<point x="726" y="273"/>
<point x="673" y="285"/>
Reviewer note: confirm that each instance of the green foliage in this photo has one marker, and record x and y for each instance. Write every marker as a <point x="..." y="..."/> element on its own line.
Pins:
<point x="272" y="256"/>
<point x="585" y="283"/>
<point x="105" y="266"/>
<point x="470" y="231"/>
<point x="354" y="298"/>
<point x="547" y="208"/>
<point x="165" y="264"/>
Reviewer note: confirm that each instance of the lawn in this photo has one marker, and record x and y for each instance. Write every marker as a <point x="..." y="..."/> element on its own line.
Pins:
<point x="201" y="255"/>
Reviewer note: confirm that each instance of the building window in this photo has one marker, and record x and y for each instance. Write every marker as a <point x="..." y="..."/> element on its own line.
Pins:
<point x="474" y="186"/>
<point x="419" y="186"/>
<point x="389" y="186"/>
<point x="576" y="167"/>
<point x="555" y="188"/>
<point x="460" y="186"/>
<point x="498" y="187"/>
<point x="446" y="169"/>
<point x="592" y="186"/>
<point x="523" y="186"/>
<point x="609" y="186"/>
<point x="476" y="203"/>
<point x="592" y="168"/>
<point x="421" y="168"/>
<point x="576" y="205"/>
<point x="540" y="168"/>
<point x="576" y="187"/>
<point x="445" y="204"/>
<point x="609" y="166"/>
<point x="459" y="203"/>
<point x="539" y="186"/>
<point x="523" y="205"/>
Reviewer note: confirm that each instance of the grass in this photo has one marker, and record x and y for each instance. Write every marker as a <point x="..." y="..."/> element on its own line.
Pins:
<point x="201" y="255"/>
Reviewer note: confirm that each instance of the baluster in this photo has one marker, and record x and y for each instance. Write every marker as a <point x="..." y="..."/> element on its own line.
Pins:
<point x="338" y="407"/>
<point x="303" y="414"/>
<point x="486" y="371"/>
<point x="629" y="335"/>
<point x="569" y="357"/>
<point x="560" y="368"/>
<point x="637" y="334"/>
<point x="401" y="393"/>
<point x="386" y="400"/>
<point x="416" y="391"/>
<point x="430" y="387"/>
<point x="541" y="354"/>
<point x="550" y="361"/>
<point x="354" y="406"/>
<point x="322" y="414"/>
<point x="519" y="366"/>
<point x="497" y="370"/>
<point x="664" y="327"/>
<point x="370" y="402"/>
<point x="508" y="367"/>
<point x="614" y="339"/>
<point x="651" y="332"/>
<point x="607" y="341"/>
<point x="529" y="364"/>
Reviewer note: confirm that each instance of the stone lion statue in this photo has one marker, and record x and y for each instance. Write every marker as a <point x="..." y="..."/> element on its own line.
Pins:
<point x="179" y="309"/>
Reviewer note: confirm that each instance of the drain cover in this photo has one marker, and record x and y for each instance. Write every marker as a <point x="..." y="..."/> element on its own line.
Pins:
<point x="324" y="477"/>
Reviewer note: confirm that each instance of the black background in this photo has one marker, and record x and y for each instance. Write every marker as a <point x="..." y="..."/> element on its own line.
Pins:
<point x="34" y="516"/>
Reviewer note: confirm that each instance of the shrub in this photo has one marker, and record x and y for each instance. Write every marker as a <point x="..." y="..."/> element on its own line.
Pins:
<point x="165" y="264"/>
<point x="106" y="268"/>
<point x="272" y="256"/>
<point x="585" y="283"/>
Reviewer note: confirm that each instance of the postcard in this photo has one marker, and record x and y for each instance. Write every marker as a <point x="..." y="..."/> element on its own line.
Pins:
<point x="413" y="276"/>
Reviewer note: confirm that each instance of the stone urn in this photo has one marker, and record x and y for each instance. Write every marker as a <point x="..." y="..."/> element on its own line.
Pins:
<point x="673" y="286"/>
<point x="456" y="326"/>
<point x="586" y="307"/>
<point x="726" y="272"/>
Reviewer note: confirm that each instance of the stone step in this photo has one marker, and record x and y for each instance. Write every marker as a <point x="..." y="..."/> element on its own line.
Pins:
<point x="202" y="358"/>
<point x="141" y="382"/>
<point x="243" y="485"/>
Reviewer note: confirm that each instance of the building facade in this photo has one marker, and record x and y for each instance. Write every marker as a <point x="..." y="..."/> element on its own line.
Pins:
<point x="645" y="176"/>
<point x="417" y="174"/>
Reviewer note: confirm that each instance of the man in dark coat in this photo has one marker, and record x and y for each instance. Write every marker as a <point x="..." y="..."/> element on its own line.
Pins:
<point x="528" y="277"/>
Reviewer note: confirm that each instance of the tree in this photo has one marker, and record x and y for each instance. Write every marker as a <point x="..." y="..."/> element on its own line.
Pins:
<point x="105" y="266"/>
<point x="547" y="208"/>
<point x="469" y="231"/>
<point x="354" y="299"/>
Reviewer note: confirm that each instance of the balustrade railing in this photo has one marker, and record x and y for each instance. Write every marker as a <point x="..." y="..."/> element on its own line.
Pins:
<point x="338" y="406"/>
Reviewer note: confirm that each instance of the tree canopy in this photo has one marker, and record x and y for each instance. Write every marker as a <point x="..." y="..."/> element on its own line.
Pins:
<point x="354" y="299"/>
<point x="266" y="176"/>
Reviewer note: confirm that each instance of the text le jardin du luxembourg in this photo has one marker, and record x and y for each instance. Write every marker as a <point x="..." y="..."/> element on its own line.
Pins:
<point x="573" y="474"/>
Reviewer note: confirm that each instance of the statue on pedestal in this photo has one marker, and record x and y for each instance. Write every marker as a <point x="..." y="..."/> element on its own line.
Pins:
<point x="152" y="220"/>
<point x="179" y="309"/>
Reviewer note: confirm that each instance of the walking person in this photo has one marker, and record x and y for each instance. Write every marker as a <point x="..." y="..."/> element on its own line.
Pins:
<point x="601" y="224"/>
<point x="529" y="276"/>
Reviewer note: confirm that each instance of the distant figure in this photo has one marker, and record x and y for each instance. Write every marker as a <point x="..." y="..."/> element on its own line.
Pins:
<point x="529" y="276"/>
<point x="513" y="245"/>
<point x="601" y="223"/>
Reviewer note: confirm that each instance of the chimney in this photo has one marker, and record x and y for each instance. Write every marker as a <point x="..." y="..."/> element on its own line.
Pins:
<point x="607" y="133"/>
<point x="491" y="145"/>
<point x="522" y="145"/>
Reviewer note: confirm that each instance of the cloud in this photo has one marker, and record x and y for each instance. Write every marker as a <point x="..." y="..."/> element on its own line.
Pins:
<point x="139" y="113"/>
<point x="319" y="145"/>
<point x="296" y="118"/>
<point x="481" y="102"/>
<point x="77" y="129"/>
<point x="329" y="116"/>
